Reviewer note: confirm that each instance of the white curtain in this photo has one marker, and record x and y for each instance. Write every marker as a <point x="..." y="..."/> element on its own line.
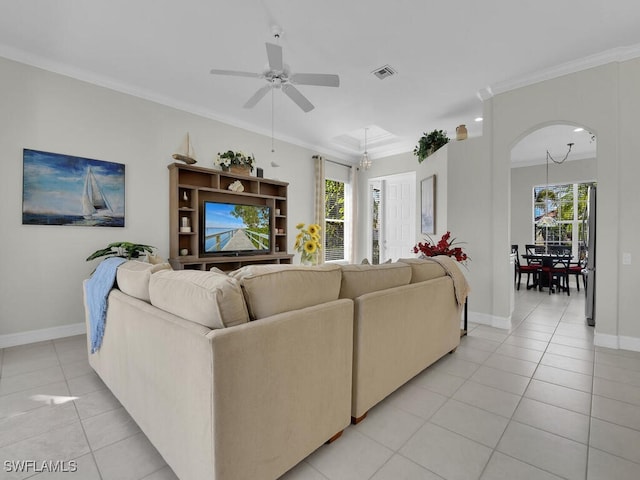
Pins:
<point x="353" y="183"/>
<point x="318" y="207"/>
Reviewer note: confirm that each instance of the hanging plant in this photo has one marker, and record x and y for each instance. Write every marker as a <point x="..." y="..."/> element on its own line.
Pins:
<point x="429" y="143"/>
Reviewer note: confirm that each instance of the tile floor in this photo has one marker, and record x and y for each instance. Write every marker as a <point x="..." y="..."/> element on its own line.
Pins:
<point x="536" y="402"/>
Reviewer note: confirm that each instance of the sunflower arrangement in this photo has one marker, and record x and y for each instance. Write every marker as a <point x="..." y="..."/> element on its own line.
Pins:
<point x="308" y="242"/>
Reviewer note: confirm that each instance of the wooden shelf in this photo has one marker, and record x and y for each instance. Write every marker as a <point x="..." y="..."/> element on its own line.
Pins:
<point x="191" y="186"/>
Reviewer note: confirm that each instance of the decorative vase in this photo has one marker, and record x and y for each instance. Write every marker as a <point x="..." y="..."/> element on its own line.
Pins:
<point x="240" y="169"/>
<point x="461" y="132"/>
<point x="309" y="259"/>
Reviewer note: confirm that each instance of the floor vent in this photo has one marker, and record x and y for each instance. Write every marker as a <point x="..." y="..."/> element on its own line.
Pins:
<point x="384" y="72"/>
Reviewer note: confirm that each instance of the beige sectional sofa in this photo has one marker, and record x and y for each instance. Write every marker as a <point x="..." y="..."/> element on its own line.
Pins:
<point x="241" y="376"/>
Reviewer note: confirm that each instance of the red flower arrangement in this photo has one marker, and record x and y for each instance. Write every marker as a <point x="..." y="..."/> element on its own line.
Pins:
<point x="444" y="247"/>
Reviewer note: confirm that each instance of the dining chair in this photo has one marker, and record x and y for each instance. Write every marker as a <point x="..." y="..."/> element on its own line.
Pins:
<point x="558" y="273"/>
<point x="531" y="268"/>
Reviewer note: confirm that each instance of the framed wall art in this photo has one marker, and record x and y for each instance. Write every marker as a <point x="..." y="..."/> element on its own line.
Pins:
<point x="428" y="205"/>
<point x="66" y="190"/>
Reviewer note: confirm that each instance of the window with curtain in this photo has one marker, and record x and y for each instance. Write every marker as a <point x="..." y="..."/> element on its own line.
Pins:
<point x="337" y="213"/>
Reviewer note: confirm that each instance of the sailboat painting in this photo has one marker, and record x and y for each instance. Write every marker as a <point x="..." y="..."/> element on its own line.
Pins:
<point x="66" y="190"/>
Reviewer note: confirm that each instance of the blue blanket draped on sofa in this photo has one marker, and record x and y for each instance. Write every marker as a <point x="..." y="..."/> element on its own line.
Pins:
<point x="97" y="291"/>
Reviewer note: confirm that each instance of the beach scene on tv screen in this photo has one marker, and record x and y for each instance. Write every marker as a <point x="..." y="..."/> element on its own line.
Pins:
<point x="233" y="228"/>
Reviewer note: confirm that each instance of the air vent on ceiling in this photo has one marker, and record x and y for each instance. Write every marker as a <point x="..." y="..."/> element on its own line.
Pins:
<point x="384" y="72"/>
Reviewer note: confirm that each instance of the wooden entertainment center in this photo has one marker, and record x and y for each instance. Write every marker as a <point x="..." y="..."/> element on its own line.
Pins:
<point x="191" y="186"/>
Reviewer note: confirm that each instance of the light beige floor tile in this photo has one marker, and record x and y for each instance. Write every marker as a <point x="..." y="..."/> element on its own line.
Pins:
<point x="399" y="467"/>
<point x="480" y="343"/>
<point x="166" y="473"/>
<point x="336" y="461"/>
<point x="568" y="424"/>
<point x="616" y="390"/>
<point x="472" y="422"/>
<point x="76" y="369"/>
<point x="533" y="334"/>
<point x="503" y="467"/>
<point x="577" y="331"/>
<point x="566" y="378"/>
<point x="620" y="361"/>
<point x="455" y="366"/>
<point x="567" y="363"/>
<point x="439" y="382"/>
<point x="604" y="466"/>
<point x="622" y="353"/>
<point x="26" y="400"/>
<point x="87" y="383"/>
<point x="71" y="353"/>
<point x="489" y="333"/>
<point x="511" y="364"/>
<point x="65" y="443"/>
<point x="559" y="396"/>
<point x="617" y="374"/>
<point x="389" y="425"/>
<point x="586" y="344"/>
<point x="130" y="459"/>
<point x="488" y="398"/>
<point x="83" y="468"/>
<point x="29" y="352"/>
<point x="614" y="411"/>
<point x="109" y="427"/>
<point x="26" y="381"/>
<point x="524" y="342"/>
<point x="509" y="382"/>
<point x="520" y="353"/>
<point x="417" y="401"/>
<point x="536" y="327"/>
<point x="615" y="439"/>
<point x="472" y="354"/>
<point x="302" y="471"/>
<point x="544" y="450"/>
<point x="449" y="455"/>
<point x="573" y="352"/>
<point x="27" y="365"/>
<point x="95" y="403"/>
<point x="36" y="422"/>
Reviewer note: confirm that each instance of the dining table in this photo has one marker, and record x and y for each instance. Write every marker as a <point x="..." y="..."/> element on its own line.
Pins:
<point x="546" y="260"/>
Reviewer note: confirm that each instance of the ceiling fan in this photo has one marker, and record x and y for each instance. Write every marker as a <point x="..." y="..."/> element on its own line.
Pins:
<point x="278" y="75"/>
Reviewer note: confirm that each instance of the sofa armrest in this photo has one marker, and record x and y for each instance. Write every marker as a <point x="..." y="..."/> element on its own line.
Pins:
<point x="282" y="387"/>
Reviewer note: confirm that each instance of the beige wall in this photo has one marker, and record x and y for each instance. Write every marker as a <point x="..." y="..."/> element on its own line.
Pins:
<point x="43" y="266"/>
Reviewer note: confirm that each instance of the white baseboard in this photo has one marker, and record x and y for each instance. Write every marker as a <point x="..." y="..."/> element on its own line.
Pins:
<point x="617" y="342"/>
<point x="32" y="336"/>
<point x="491" y="320"/>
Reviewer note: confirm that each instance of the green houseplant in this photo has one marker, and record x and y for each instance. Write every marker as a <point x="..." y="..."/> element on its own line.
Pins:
<point x="429" y="143"/>
<point x="126" y="250"/>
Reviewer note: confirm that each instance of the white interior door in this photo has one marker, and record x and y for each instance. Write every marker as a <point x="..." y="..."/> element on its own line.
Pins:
<point x="398" y="232"/>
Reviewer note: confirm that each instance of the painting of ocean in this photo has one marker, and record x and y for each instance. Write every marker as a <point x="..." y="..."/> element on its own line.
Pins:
<point x="66" y="190"/>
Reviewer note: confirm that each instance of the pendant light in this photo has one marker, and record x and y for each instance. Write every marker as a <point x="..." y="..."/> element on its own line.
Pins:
<point x="365" y="161"/>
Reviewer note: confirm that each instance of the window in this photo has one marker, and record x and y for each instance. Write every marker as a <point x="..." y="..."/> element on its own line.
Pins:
<point x="334" y="220"/>
<point x="566" y="205"/>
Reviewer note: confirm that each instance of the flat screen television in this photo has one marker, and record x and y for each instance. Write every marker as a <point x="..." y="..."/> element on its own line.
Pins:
<point x="235" y="228"/>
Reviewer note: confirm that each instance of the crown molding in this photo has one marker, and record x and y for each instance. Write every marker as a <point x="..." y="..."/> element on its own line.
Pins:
<point x="620" y="54"/>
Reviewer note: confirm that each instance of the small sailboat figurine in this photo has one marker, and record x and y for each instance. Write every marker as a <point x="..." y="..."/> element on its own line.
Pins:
<point x="186" y="153"/>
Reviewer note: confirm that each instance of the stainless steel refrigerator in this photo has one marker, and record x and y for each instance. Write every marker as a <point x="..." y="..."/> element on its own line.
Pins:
<point x="590" y="270"/>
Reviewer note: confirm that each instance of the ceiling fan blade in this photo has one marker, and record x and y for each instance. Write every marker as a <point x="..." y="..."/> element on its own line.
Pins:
<point x="294" y="94"/>
<point x="319" y="79"/>
<point x="274" y="54"/>
<point x="257" y="96"/>
<point x="234" y="73"/>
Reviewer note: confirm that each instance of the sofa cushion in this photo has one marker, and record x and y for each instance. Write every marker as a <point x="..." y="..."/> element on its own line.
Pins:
<point x="207" y="298"/>
<point x="133" y="277"/>
<point x="272" y="289"/>
<point x="423" y="269"/>
<point x="360" y="279"/>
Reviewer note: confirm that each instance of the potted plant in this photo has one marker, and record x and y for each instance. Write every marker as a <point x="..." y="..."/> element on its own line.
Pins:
<point x="236" y="162"/>
<point x="429" y="143"/>
<point x="126" y="250"/>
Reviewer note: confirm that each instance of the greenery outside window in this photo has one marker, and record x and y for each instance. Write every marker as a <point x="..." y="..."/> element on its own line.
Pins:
<point x="334" y="223"/>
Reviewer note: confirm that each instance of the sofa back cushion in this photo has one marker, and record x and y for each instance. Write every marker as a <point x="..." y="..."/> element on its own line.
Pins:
<point x="272" y="289"/>
<point x="133" y="277"/>
<point x="360" y="279"/>
<point x="423" y="269"/>
<point x="207" y="298"/>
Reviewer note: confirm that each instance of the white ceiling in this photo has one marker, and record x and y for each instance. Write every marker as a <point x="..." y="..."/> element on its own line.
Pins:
<point x="447" y="56"/>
